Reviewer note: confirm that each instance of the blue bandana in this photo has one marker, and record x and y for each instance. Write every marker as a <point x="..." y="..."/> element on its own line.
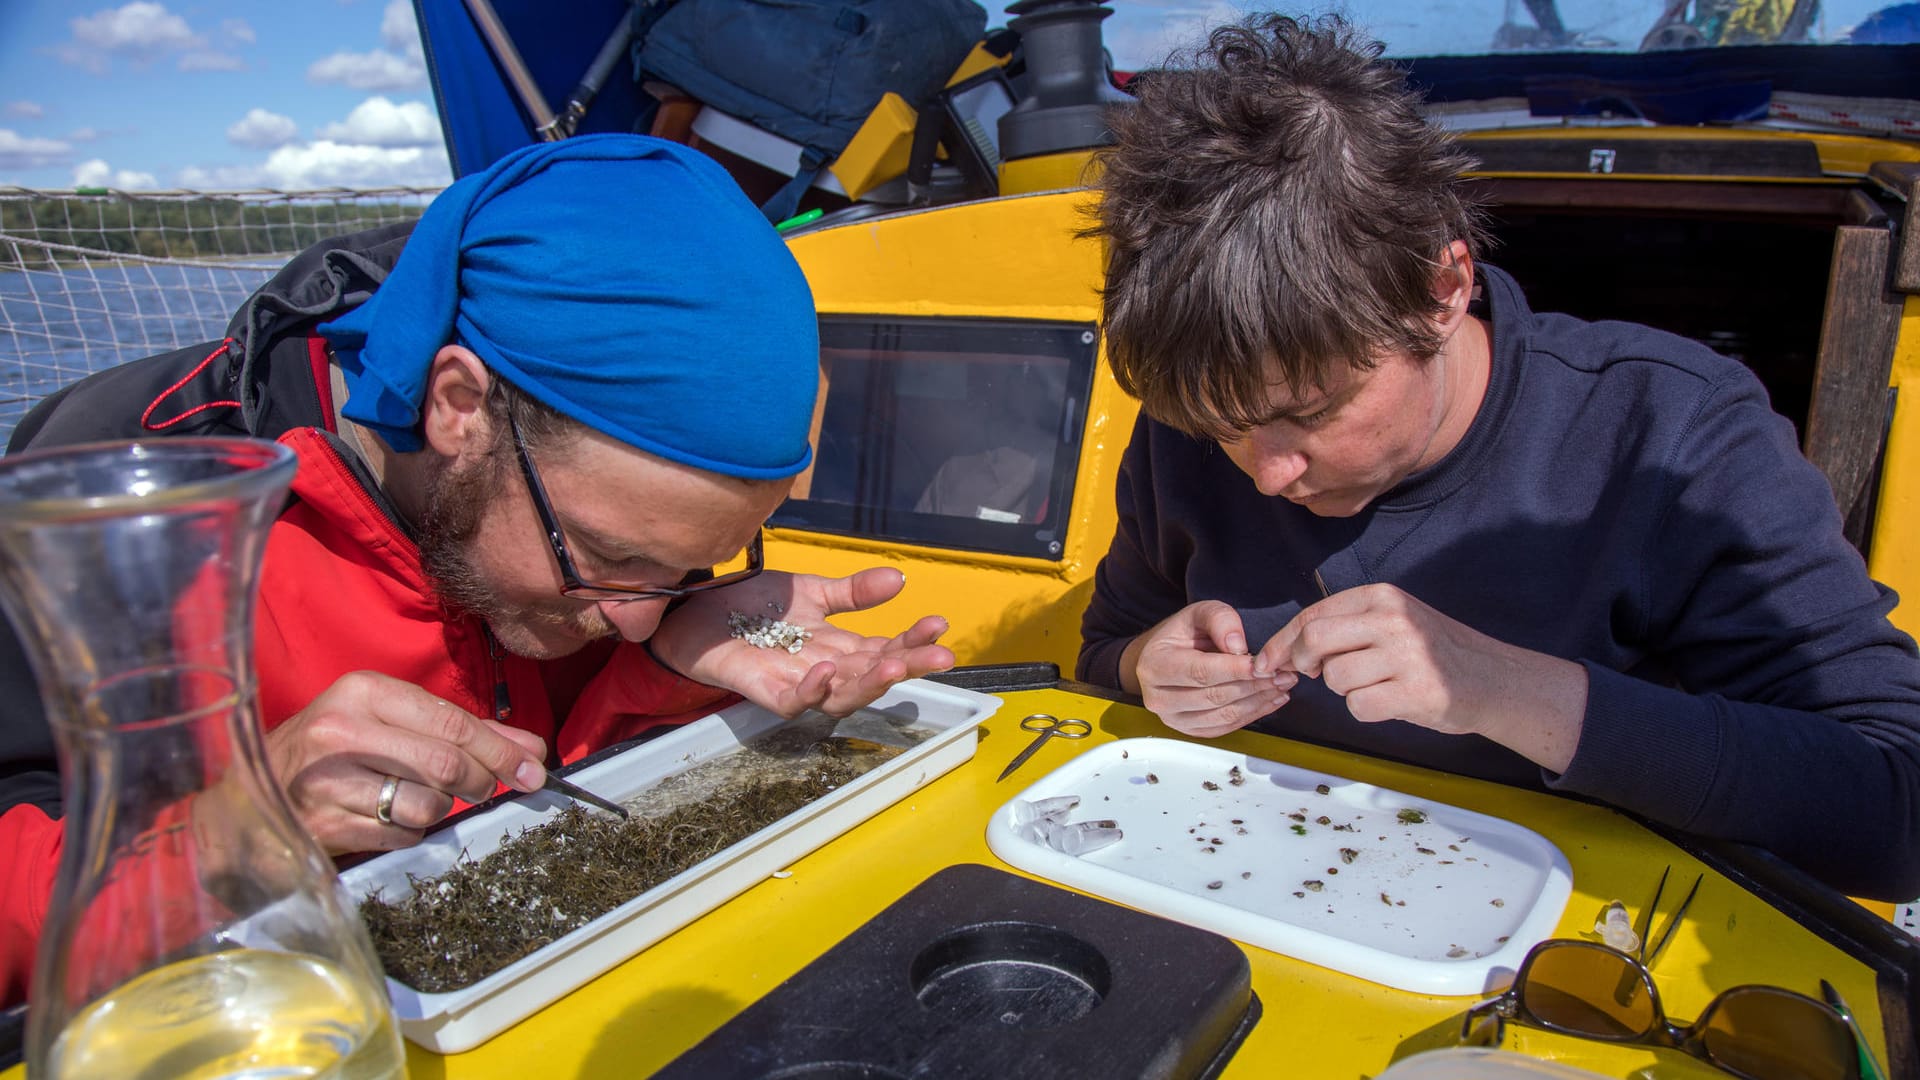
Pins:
<point x="622" y="280"/>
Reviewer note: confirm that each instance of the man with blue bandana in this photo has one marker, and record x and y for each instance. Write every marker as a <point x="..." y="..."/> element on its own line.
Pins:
<point x="589" y="378"/>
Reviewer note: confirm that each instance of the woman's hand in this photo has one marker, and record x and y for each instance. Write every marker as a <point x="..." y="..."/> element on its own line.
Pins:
<point x="1193" y="671"/>
<point x="1395" y="658"/>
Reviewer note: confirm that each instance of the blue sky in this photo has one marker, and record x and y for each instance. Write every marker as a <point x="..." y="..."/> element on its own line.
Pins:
<point x="223" y="94"/>
<point x="214" y="94"/>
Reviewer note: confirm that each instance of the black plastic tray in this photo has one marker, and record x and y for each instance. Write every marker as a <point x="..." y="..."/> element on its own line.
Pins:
<point x="980" y="973"/>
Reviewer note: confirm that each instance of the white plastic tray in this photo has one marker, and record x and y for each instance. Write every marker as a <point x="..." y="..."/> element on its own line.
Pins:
<point x="461" y="1019"/>
<point x="1437" y="907"/>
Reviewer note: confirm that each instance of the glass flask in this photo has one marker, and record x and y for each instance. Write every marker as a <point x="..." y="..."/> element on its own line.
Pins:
<point x="196" y="929"/>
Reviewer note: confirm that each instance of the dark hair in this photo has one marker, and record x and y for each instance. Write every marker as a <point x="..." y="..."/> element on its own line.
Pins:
<point x="1275" y="209"/>
<point x="540" y="423"/>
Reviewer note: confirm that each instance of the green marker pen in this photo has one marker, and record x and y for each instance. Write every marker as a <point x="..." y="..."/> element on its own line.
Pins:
<point x="798" y="220"/>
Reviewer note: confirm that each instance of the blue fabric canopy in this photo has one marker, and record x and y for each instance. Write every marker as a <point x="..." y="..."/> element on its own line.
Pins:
<point x="480" y="117"/>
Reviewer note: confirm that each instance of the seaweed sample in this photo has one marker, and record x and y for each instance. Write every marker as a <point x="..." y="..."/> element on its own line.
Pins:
<point x="552" y="878"/>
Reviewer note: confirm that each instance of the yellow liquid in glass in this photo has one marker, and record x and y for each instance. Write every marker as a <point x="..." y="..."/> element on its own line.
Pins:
<point x="246" y="1014"/>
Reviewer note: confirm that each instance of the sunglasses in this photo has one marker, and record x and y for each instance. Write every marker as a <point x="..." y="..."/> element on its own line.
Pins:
<point x="574" y="586"/>
<point x="1594" y="991"/>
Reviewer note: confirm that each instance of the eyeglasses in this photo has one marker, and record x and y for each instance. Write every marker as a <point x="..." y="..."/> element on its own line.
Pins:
<point x="572" y="585"/>
<point x="1597" y="992"/>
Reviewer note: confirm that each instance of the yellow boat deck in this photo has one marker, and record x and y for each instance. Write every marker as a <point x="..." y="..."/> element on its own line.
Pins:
<point x="1316" y="1022"/>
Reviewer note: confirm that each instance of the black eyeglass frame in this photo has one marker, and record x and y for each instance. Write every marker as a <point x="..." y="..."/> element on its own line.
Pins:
<point x="571" y="583"/>
<point x="1663" y="1033"/>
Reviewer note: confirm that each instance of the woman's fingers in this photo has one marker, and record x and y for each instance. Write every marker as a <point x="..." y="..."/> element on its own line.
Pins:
<point x="1255" y="700"/>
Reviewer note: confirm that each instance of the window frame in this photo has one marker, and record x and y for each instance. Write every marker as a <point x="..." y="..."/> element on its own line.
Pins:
<point x="1076" y="343"/>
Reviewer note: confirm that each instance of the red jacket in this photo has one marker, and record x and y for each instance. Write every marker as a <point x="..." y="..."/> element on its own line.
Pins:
<point x="342" y="590"/>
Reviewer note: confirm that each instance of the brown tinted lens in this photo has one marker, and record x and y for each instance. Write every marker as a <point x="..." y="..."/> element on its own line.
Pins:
<point x="1771" y="1034"/>
<point x="1589" y="991"/>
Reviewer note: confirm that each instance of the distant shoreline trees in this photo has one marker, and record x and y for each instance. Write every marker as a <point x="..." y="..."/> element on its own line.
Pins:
<point x="198" y="226"/>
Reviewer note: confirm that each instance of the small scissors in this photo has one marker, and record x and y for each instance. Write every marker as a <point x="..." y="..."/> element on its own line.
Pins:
<point x="1048" y="727"/>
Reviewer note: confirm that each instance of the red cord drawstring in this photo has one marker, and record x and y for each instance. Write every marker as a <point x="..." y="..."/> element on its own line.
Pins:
<point x="225" y="346"/>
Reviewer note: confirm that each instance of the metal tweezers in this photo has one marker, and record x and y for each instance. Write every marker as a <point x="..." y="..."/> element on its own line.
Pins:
<point x="1645" y="924"/>
<point x="575" y="791"/>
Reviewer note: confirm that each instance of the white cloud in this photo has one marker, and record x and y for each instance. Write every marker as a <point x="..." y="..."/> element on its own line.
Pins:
<point x="139" y="27"/>
<point x="21" y="152"/>
<point x="262" y="129"/>
<point x="140" y="32"/>
<point x="97" y="173"/>
<point x="208" y="60"/>
<point x="32" y="110"/>
<point x="400" y="66"/>
<point x="399" y="29"/>
<point x="329" y="164"/>
<point x="379" y="122"/>
<point x="143" y="32"/>
<point x="376" y="70"/>
<point x="84" y="135"/>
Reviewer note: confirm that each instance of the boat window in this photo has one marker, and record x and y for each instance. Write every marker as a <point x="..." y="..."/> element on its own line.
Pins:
<point x="956" y="433"/>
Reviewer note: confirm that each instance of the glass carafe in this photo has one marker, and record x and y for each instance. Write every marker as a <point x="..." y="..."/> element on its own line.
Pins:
<point x="195" y="929"/>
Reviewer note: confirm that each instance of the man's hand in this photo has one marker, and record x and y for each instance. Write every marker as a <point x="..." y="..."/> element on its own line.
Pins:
<point x="1193" y="671"/>
<point x="835" y="671"/>
<point x="334" y="756"/>
<point x="1394" y="658"/>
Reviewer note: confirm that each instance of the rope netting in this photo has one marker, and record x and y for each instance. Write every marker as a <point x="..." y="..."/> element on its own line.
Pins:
<point x="93" y="278"/>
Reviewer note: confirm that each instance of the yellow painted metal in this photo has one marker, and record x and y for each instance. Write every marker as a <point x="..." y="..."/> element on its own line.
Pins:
<point x="976" y="62"/>
<point x="878" y="152"/>
<point x="1008" y="258"/>
<point x="1013" y="257"/>
<point x="1317" y="1023"/>
<point x="1895" y="559"/>
<point x="1046" y="172"/>
<point x="1840" y="155"/>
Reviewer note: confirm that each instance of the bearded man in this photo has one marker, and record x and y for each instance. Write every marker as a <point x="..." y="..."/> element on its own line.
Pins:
<point x="519" y="452"/>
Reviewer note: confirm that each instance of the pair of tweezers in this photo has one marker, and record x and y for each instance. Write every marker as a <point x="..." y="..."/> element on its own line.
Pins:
<point x="1645" y="924"/>
<point x="574" y="791"/>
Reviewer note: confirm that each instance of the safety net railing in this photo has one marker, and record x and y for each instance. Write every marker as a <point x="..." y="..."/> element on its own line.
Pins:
<point x="92" y="278"/>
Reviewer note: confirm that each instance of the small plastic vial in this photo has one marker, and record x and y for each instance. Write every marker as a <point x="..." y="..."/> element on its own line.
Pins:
<point x="1080" y="837"/>
<point x="1616" y="929"/>
<point x="1052" y="808"/>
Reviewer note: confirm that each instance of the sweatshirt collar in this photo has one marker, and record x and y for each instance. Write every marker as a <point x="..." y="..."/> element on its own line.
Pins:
<point x="1501" y="303"/>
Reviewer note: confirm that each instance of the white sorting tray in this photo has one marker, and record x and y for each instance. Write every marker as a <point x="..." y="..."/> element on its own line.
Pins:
<point x="1442" y="923"/>
<point x="462" y="1019"/>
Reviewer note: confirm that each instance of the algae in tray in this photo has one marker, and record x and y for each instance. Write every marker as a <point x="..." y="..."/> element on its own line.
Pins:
<point x="552" y="878"/>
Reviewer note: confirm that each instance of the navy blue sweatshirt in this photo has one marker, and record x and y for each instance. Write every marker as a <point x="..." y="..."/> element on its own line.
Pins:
<point x="1626" y="499"/>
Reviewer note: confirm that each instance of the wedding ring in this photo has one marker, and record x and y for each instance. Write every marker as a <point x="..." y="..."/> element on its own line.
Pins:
<point x="383" y="806"/>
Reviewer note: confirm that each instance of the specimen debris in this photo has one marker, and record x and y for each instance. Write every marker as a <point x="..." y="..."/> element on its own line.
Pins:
<point x="765" y="633"/>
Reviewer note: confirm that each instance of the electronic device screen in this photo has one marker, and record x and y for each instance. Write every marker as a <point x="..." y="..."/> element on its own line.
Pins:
<point x="976" y="107"/>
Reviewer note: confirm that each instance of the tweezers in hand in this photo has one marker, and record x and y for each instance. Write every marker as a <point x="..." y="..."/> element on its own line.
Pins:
<point x="574" y="791"/>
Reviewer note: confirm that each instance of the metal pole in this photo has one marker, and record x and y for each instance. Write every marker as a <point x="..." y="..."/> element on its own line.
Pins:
<point x="589" y="87"/>
<point x="545" y="124"/>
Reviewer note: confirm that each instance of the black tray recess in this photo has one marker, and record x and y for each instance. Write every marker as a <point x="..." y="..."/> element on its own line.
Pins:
<point x="981" y="973"/>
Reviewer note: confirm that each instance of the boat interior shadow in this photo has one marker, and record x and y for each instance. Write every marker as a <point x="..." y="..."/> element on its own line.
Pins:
<point x="629" y="1044"/>
<point x="1440" y="1036"/>
<point x="425" y="1065"/>
<point x="1128" y="723"/>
